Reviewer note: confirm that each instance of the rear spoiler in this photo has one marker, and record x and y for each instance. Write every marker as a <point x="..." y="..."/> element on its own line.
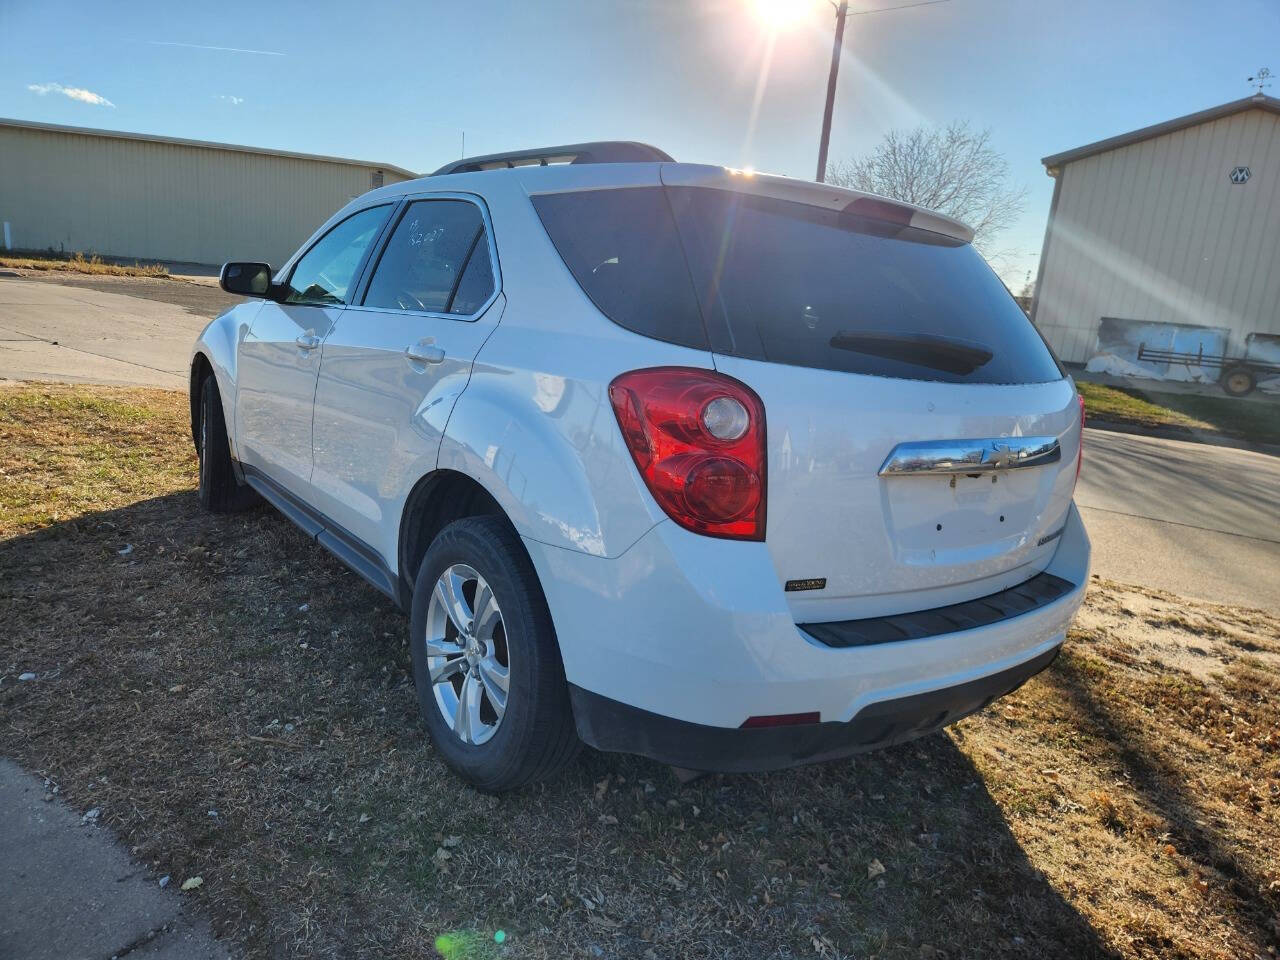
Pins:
<point x="601" y="151"/>
<point x="816" y="194"/>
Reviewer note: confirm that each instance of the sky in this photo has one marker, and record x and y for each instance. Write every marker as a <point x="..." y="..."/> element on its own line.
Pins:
<point x="709" y="81"/>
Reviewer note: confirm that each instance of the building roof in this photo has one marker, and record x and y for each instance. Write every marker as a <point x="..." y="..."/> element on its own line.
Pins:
<point x="204" y="144"/>
<point x="1258" y="101"/>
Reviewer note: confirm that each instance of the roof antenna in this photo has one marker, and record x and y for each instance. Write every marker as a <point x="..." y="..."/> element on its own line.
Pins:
<point x="1262" y="79"/>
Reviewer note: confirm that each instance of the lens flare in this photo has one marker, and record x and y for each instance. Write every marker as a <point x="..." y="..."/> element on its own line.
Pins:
<point x="781" y="13"/>
<point x="465" y="944"/>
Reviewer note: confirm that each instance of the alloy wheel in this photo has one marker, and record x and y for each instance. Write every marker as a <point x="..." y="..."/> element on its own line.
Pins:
<point x="467" y="656"/>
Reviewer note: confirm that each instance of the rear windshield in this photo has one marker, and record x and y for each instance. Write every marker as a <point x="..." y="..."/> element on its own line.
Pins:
<point x="792" y="283"/>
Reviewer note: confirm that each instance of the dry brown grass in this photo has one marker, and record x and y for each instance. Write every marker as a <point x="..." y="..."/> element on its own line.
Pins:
<point x="79" y="263"/>
<point x="1115" y="806"/>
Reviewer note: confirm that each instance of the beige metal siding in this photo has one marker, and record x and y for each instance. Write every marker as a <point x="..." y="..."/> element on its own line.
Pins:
<point x="166" y="201"/>
<point x="1156" y="231"/>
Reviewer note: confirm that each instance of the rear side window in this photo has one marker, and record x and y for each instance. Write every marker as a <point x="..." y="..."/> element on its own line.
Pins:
<point x="622" y="248"/>
<point x="437" y="261"/>
<point x="791" y="283"/>
<point x="477" y="281"/>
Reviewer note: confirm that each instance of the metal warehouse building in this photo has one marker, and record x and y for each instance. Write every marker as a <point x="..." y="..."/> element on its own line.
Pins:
<point x="159" y="198"/>
<point x="1166" y="239"/>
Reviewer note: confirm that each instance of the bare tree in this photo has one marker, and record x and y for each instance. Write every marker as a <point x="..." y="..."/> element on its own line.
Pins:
<point x="951" y="169"/>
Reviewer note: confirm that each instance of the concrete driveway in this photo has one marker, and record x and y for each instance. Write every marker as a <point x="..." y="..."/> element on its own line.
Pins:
<point x="72" y="893"/>
<point x="1194" y="519"/>
<point x="83" y="333"/>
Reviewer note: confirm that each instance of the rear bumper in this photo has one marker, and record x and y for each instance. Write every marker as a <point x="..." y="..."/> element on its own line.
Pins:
<point x="609" y="725"/>
<point x="697" y="631"/>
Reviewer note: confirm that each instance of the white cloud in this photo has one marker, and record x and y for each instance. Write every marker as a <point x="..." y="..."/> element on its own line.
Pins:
<point x="234" y="101"/>
<point x="75" y="93"/>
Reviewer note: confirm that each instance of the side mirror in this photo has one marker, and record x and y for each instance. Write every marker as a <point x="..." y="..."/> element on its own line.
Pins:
<point x="246" y="279"/>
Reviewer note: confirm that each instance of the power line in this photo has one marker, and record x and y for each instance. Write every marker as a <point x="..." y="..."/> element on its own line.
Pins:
<point x="905" y="6"/>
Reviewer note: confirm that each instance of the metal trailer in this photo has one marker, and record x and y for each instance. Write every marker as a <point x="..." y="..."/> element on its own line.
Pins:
<point x="1237" y="375"/>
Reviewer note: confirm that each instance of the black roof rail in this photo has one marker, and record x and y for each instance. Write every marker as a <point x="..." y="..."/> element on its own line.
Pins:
<point x="602" y="151"/>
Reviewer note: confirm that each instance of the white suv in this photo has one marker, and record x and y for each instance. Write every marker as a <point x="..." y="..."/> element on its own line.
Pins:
<point x="732" y="471"/>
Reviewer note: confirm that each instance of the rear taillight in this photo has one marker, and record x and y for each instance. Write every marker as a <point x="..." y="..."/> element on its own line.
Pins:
<point x="697" y="438"/>
<point x="1080" y="454"/>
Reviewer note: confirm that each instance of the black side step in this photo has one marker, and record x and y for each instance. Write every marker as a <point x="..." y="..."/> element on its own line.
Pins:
<point x="347" y="547"/>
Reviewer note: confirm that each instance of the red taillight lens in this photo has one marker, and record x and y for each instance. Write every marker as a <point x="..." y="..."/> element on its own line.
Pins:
<point x="1080" y="455"/>
<point x="698" y="440"/>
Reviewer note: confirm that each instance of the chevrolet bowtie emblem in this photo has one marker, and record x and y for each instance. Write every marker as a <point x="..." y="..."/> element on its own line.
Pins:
<point x="1000" y="456"/>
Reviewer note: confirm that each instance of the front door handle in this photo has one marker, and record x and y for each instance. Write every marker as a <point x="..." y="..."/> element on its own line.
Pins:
<point x="308" y="340"/>
<point x="424" y="352"/>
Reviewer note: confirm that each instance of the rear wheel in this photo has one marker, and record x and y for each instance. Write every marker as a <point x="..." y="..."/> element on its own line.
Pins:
<point x="1238" y="380"/>
<point x="220" y="492"/>
<point x="486" y="664"/>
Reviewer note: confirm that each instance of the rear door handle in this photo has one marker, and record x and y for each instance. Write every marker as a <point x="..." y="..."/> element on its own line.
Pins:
<point x="308" y="340"/>
<point x="424" y="352"/>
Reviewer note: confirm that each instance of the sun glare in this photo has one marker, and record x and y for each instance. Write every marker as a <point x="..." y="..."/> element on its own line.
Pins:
<point x="781" y="13"/>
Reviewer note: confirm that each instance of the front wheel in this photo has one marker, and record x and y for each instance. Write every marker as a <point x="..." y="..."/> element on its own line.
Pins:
<point x="486" y="664"/>
<point x="220" y="491"/>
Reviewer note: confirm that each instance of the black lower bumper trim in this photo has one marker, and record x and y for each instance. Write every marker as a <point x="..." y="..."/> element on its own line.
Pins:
<point x="609" y="725"/>
<point x="1042" y="589"/>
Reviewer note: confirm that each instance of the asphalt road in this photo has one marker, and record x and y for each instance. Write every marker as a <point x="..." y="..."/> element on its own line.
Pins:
<point x="1194" y="519"/>
<point x="120" y="331"/>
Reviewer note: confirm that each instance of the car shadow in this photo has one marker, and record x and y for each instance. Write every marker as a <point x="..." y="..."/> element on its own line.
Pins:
<point x="187" y="663"/>
<point x="1251" y="897"/>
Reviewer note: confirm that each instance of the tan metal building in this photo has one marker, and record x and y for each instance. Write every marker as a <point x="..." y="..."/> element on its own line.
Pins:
<point x="1166" y="238"/>
<point x="159" y="198"/>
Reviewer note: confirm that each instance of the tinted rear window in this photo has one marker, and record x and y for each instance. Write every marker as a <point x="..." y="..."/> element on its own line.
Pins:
<point x="791" y="283"/>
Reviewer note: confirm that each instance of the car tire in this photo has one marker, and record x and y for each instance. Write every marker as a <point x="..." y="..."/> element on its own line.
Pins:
<point x="1238" y="381"/>
<point x="220" y="491"/>
<point x="534" y="736"/>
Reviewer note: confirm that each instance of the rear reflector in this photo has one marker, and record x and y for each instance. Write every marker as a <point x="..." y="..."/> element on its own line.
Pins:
<point x="780" y="720"/>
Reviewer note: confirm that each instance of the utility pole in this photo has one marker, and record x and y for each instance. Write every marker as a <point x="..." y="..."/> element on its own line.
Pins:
<point x="842" y="13"/>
